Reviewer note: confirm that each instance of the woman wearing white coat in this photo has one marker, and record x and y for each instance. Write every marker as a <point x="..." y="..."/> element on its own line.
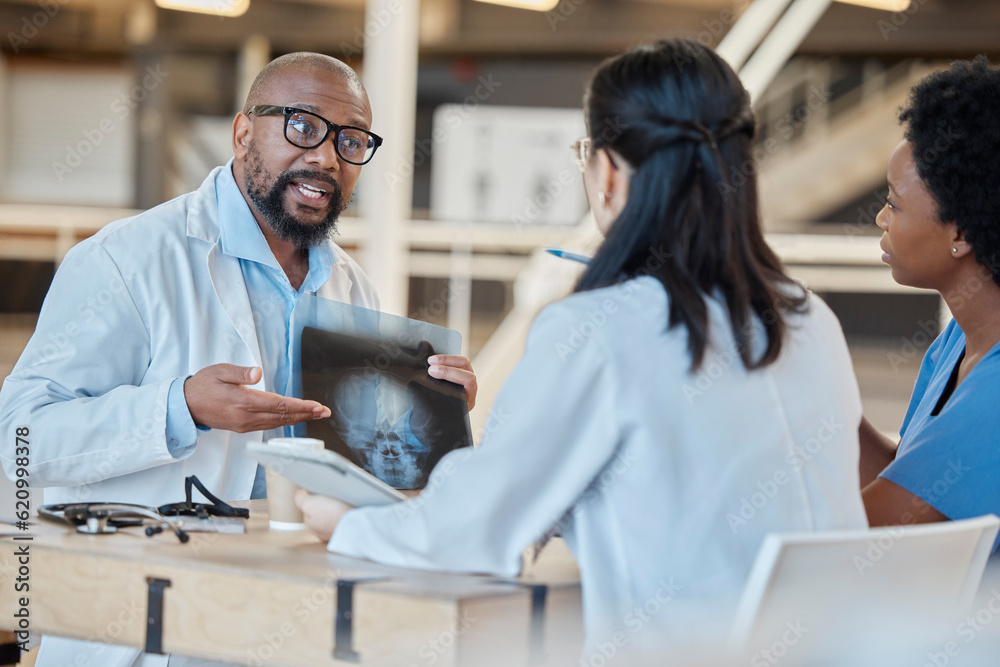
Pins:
<point x="686" y="400"/>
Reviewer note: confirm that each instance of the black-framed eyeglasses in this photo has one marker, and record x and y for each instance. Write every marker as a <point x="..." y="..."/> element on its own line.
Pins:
<point x="308" y="130"/>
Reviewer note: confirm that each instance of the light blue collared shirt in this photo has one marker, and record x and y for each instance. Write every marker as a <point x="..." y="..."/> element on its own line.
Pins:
<point x="272" y="301"/>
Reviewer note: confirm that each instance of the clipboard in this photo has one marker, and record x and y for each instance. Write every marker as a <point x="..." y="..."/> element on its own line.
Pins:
<point x="326" y="473"/>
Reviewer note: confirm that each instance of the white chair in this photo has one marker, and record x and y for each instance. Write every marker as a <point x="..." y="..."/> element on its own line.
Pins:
<point x="815" y="597"/>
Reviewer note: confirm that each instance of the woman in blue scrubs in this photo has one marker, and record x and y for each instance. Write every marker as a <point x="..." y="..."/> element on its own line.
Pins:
<point x="941" y="232"/>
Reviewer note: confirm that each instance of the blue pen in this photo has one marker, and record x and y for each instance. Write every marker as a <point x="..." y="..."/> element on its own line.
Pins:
<point x="583" y="259"/>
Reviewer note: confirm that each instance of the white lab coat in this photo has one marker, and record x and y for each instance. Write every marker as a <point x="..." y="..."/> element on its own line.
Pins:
<point x="663" y="483"/>
<point x="146" y="300"/>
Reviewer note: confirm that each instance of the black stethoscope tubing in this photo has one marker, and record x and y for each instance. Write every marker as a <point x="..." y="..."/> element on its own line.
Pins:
<point x="104" y="518"/>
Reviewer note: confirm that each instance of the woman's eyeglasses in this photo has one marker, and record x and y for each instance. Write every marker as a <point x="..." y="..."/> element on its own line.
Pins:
<point x="581" y="153"/>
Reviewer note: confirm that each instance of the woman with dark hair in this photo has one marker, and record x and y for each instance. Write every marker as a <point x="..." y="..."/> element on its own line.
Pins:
<point x="941" y="232"/>
<point x="686" y="400"/>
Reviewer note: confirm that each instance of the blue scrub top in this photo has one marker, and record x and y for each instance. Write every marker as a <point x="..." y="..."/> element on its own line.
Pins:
<point x="952" y="460"/>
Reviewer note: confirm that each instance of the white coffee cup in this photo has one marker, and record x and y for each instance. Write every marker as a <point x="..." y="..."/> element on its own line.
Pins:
<point x="281" y="508"/>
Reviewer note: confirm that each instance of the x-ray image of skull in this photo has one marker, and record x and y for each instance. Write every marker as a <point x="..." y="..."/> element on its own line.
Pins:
<point x="370" y="412"/>
<point x="387" y="414"/>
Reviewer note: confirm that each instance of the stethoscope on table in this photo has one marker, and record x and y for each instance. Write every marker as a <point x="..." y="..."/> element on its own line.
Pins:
<point x="105" y="518"/>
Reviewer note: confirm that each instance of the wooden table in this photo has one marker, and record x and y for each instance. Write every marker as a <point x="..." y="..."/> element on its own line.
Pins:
<point x="271" y="597"/>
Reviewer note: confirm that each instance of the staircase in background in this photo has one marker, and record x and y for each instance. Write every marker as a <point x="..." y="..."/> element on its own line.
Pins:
<point x="827" y="129"/>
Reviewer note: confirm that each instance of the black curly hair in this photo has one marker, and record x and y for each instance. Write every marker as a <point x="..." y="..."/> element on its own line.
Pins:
<point x="952" y="125"/>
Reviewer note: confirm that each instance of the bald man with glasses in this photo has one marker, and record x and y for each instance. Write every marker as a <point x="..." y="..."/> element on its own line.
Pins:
<point x="163" y="347"/>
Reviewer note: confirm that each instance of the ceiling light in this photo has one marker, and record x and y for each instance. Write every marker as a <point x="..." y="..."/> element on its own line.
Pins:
<point x="536" y="5"/>
<point x="228" y="8"/>
<point x="887" y="5"/>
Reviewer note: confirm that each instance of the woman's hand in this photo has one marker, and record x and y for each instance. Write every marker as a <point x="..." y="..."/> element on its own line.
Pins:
<point x="322" y="513"/>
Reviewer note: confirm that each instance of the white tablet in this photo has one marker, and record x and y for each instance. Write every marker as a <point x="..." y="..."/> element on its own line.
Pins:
<point x="326" y="473"/>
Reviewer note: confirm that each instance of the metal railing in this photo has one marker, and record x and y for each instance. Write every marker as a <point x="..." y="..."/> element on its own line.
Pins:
<point x="826" y="263"/>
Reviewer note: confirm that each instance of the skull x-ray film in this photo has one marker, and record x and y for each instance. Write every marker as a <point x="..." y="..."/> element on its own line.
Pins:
<point x="388" y="415"/>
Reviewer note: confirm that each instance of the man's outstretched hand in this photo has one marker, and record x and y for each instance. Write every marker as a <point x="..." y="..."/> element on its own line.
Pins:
<point x="218" y="397"/>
